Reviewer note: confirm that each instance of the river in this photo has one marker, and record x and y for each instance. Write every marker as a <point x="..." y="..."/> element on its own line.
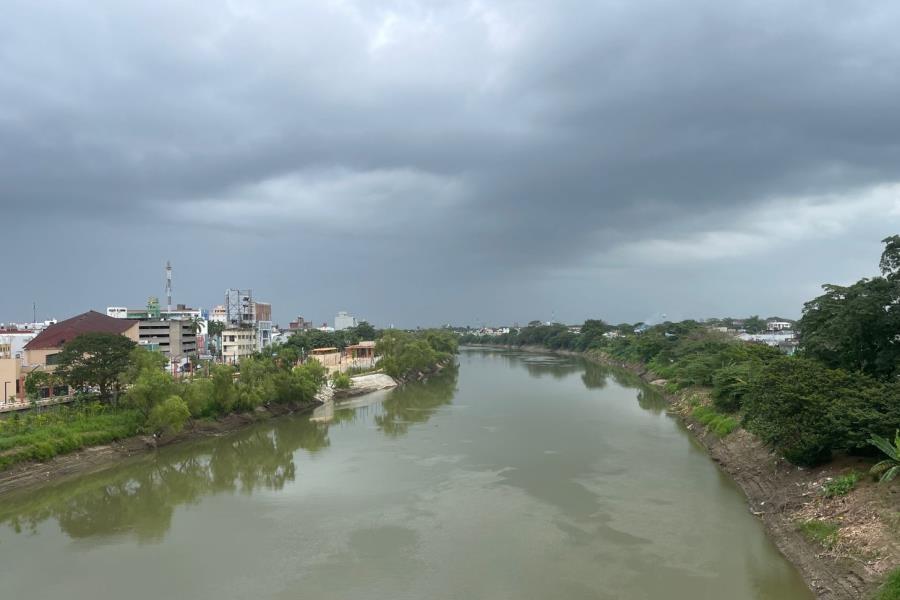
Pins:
<point x="515" y="476"/>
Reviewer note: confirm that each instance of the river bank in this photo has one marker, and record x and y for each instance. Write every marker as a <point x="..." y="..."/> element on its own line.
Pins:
<point x="97" y="458"/>
<point x="782" y="495"/>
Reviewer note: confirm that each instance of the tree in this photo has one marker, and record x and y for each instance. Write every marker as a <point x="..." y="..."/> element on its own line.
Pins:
<point x="95" y="359"/>
<point x="150" y="388"/>
<point x="169" y="415"/>
<point x="889" y="467"/>
<point x="856" y="327"/>
<point x="214" y="329"/>
<point x="365" y="331"/>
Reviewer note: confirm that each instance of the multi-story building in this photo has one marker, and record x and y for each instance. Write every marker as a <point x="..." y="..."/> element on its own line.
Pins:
<point x="176" y="339"/>
<point x="300" y="324"/>
<point x="154" y="311"/>
<point x="344" y="320"/>
<point x="238" y="343"/>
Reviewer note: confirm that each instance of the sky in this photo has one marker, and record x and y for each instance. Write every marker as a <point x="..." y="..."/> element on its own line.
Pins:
<point x="441" y="161"/>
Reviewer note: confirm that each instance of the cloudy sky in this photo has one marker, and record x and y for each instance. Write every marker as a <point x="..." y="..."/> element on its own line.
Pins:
<point x="421" y="162"/>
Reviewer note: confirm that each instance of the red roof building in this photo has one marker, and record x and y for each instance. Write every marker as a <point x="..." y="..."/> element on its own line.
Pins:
<point x="52" y="338"/>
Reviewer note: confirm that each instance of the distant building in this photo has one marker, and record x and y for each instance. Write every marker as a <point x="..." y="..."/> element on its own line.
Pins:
<point x="154" y="311"/>
<point x="238" y="343"/>
<point x="11" y="379"/>
<point x="779" y="325"/>
<point x="344" y="320"/>
<point x="42" y="350"/>
<point x="15" y="340"/>
<point x="219" y="314"/>
<point x="176" y="339"/>
<point x="329" y="357"/>
<point x="300" y="324"/>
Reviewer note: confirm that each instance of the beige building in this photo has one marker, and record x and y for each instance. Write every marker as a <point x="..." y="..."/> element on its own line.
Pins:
<point x="237" y="343"/>
<point x="10" y="374"/>
<point x="43" y="349"/>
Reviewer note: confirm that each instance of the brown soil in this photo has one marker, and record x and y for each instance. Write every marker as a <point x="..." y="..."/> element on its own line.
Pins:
<point x="782" y="496"/>
<point x="97" y="458"/>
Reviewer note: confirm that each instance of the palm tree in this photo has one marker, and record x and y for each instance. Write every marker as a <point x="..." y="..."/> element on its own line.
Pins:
<point x="890" y="467"/>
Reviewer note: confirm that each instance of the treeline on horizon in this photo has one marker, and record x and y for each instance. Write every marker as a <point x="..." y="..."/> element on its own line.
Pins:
<point x="839" y="389"/>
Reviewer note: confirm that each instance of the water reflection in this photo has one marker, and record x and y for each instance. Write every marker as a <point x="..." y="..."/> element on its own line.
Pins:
<point x="416" y="402"/>
<point x="139" y="498"/>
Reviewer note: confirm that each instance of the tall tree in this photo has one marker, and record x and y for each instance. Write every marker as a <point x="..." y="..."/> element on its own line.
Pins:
<point x="857" y="327"/>
<point x="95" y="359"/>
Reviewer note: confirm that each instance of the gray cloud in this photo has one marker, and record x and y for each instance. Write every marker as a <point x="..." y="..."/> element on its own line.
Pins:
<point x="420" y="162"/>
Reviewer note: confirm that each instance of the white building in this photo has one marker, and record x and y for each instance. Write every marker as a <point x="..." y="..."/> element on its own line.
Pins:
<point x="344" y="320"/>
<point x="778" y="325"/>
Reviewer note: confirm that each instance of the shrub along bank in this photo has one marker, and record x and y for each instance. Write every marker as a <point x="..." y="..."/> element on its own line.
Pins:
<point x="405" y="354"/>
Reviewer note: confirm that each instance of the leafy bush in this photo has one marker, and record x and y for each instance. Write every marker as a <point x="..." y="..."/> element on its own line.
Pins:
<point x="170" y="415"/>
<point x="341" y="381"/>
<point x="840" y="486"/>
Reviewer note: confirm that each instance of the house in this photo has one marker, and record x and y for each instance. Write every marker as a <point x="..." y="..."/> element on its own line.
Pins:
<point x="44" y="348"/>
<point x="329" y="357"/>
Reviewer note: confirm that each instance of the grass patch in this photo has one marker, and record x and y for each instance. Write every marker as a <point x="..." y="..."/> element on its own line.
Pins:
<point x="719" y="424"/>
<point x="890" y="589"/>
<point x="43" y="435"/>
<point x="840" y="486"/>
<point x="824" y="533"/>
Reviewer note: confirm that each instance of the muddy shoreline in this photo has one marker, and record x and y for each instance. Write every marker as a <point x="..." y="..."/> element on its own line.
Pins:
<point x="771" y="485"/>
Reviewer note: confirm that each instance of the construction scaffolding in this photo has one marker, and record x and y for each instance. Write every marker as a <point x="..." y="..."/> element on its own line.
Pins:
<point x="239" y="308"/>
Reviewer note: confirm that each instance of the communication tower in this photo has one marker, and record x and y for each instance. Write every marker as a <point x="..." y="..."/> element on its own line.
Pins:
<point x="169" y="285"/>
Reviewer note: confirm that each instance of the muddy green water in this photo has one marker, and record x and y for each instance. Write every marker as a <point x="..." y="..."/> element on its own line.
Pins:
<point x="516" y="477"/>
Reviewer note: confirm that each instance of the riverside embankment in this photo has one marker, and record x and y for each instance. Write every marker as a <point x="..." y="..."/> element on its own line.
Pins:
<point x="782" y="496"/>
<point x="97" y="458"/>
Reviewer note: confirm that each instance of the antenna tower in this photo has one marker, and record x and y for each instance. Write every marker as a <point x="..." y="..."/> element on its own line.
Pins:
<point x="169" y="285"/>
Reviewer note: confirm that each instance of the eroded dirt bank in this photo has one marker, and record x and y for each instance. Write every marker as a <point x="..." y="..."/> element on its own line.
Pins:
<point x="782" y="496"/>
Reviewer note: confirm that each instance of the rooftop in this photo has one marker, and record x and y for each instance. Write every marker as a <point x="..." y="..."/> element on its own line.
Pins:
<point x="89" y="322"/>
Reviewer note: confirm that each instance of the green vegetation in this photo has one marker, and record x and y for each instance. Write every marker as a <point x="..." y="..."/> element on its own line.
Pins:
<point x="888" y="468"/>
<point x="95" y="359"/>
<point x="839" y="393"/>
<point x="890" y="589"/>
<point x="340" y="381"/>
<point x="840" y="486"/>
<point x="821" y="532"/>
<point x="718" y="423"/>
<point x="154" y="402"/>
<point x="43" y="435"/>
<point x="403" y="354"/>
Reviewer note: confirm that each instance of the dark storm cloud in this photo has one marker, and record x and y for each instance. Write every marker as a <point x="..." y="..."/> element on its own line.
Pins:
<point x="481" y="160"/>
